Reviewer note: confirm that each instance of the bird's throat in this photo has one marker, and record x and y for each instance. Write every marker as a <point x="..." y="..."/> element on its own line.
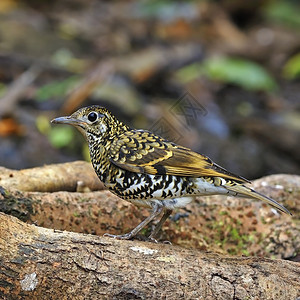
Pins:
<point x="100" y="159"/>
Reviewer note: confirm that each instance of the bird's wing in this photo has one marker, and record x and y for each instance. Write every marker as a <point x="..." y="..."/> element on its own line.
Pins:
<point x="144" y="152"/>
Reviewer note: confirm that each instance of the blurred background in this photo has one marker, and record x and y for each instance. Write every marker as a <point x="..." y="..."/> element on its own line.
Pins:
<point x="220" y="77"/>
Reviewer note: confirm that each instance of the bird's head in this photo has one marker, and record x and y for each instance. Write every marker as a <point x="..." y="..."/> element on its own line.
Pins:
<point x="94" y="122"/>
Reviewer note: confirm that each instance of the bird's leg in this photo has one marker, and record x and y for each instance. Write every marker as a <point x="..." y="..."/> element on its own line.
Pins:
<point x="163" y="219"/>
<point x="155" y="212"/>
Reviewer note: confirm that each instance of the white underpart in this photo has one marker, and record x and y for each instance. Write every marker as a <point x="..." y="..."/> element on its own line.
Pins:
<point x="167" y="203"/>
<point x="177" y="202"/>
<point x="200" y="186"/>
<point x="205" y="188"/>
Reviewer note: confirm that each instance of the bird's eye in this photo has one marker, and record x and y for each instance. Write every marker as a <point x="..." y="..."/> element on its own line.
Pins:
<point x="92" y="117"/>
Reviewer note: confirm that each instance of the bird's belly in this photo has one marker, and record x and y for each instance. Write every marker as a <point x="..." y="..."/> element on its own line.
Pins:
<point x="137" y="187"/>
<point x="129" y="186"/>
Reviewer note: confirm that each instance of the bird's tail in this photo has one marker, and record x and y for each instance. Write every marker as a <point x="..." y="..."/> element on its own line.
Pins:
<point x="248" y="192"/>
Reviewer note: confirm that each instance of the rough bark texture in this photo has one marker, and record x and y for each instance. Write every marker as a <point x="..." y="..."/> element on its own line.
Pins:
<point x="221" y="224"/>
<point x="39" y="263"/>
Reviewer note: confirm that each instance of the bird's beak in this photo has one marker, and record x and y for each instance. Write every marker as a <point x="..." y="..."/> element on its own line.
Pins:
<point x="69" y="121"/>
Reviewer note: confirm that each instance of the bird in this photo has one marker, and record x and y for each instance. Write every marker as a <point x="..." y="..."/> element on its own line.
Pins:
<point x="150" y="171"/>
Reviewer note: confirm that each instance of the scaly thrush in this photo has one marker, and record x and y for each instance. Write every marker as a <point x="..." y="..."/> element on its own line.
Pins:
<point x="147" y="170"/>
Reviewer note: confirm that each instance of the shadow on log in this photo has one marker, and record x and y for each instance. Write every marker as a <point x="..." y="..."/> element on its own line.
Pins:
<point x="39" y="263"/>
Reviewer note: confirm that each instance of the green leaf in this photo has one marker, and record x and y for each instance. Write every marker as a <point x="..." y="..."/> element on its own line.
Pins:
<point x="61" y="136"/>
<point x="189" y="73"/>
<point x="43" y="124"/>
<point x="56" y="89"/>
<point x="244" y="73"/>
<point x="283" y="12"/>
<point x="291" y="69"/>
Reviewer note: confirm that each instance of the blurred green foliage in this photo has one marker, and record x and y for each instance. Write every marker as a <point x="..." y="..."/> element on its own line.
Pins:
<point x="241" y="72"/>
<point x="65" y="58"/>
<point x="86" y="152"/>
<point x="43" y="125"/>
<point x="166" y="10"/>
<point x="189" y="73"/>
<point x="57" y="89"/>
<point x="291" y="69"/>
<point x="3" y="89"/>
<point x="284" y="12"/>
<point x="59" y="136"/>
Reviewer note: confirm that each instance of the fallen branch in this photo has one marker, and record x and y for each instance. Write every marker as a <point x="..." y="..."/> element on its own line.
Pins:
<point x="92" y="212"/>
<point x="78" y="175"/>
<point x="39" y="263"/>
<point x="216" y="223"/>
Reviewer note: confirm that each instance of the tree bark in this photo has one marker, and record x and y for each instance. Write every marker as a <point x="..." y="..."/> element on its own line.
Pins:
<point x="40" y="263"/>
<point x="77" y="175"/>
<point x="215" y="223"/>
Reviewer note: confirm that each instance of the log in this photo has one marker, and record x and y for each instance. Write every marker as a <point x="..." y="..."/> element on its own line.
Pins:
<point x="95" y="212"/>
<point x="216" y="223"/>
<point x="77" y="175"/>
<point x="40" y="263"/>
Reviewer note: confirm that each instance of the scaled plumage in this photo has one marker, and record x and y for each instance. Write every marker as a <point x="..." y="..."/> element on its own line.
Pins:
<point x="147" y="170"/>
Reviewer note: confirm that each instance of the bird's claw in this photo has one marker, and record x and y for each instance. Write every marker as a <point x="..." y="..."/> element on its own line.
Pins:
<point x="167" y="242"/>
<point x="152" y="240"/>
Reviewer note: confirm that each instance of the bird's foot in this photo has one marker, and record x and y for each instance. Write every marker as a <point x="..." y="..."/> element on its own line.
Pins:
<point x="167" y="242"/>
<point x="126" y="236"/>
<point x="152" y="240"/>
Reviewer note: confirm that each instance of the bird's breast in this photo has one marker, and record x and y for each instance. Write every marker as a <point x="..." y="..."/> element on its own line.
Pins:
<point x="130" y="185"/>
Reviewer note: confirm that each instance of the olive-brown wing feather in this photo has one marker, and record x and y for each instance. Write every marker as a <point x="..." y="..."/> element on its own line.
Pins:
<point x="144" y="152"/>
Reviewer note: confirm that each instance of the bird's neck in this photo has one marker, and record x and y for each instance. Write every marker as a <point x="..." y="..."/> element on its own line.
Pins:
<point x="99" y="157"/>
<point x="99" y="146"/>
<point x="105" y="133"/>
